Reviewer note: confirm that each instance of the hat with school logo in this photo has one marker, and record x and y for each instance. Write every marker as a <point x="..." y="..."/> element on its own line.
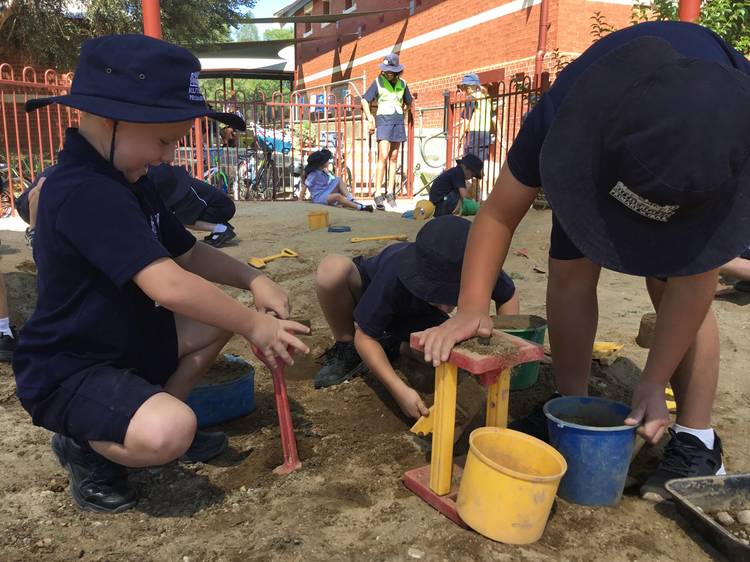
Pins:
<point x="647" y="162"/>
<point x="390" y="63"/>
<point x="138" y="79"/>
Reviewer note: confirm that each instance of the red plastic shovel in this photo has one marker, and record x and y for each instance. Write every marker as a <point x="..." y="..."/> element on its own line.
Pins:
<point x="288" y="441"/>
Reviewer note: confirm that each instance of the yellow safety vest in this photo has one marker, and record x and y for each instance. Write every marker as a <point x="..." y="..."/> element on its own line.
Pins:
<point x="481" y="117"/>
<point x="390" y="97"/>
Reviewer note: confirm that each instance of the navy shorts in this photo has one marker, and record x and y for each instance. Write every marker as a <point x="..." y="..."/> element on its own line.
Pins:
<point x="392" y="132"/>
<point x="204" y="203"/>
<point x="560" y="246"/>
<point x="447" y="204"/>
<point x="97" y="403"/>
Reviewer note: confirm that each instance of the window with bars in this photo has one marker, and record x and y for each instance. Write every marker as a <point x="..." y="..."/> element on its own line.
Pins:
<point x="307" y="10"/>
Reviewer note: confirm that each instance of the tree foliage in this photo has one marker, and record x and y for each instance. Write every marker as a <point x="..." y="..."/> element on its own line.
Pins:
<point x="729" y="19"/>
<point x="274" y="34"/>
<point x="49" y="32"/>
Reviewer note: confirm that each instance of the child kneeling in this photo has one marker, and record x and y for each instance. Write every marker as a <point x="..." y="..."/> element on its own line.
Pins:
<point x="325" y="188"/>
<point x="374" y="304"/>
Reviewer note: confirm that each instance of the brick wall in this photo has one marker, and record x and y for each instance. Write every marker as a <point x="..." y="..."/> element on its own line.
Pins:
<point x="508" y="42"/>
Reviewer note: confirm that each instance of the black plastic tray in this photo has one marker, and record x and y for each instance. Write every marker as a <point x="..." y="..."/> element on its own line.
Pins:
<point x="711" y="494"/>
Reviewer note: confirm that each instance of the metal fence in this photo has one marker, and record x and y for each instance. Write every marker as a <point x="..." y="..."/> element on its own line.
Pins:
<point x="30" y="141"/>
<point x="264" y="162"/>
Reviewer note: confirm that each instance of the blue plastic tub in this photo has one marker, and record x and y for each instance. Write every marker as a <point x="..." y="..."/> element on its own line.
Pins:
<point x="217" y="403"/>
<point x="590" y="433"/>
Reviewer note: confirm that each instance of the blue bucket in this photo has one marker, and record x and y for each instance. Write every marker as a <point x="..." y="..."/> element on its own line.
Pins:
<point x="217" y="403"/>
<point x="597" y="445"/>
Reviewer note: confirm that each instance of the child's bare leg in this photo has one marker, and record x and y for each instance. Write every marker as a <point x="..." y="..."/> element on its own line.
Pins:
<point x="161" y="430"/>
<point x="383" y="152"/>
<point x="511" y="306"/>
<point x="695" y="379"/>
<point x="392" y="165"/>
<point x="339" y="286"/>
<point x="334" y="198"/>
<point x="197" y="347"/>
<point x="738" y="267"/>
<point x="342" y="189"/>
<point x="203" y="226"/>
<point x="572" y="314"/>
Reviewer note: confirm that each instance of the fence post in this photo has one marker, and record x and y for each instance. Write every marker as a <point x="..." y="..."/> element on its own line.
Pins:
<point x="410" y="155"/>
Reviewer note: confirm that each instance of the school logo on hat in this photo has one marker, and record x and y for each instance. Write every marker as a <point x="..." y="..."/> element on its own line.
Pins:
<point x="194" y="90"/>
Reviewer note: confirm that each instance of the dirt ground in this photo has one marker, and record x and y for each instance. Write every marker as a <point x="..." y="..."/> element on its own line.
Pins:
<point x="347" y="502"/>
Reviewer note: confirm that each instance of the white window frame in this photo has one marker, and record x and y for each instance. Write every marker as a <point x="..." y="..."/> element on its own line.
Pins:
<point x="350" y="10"/>
<point x="305" y="12"/>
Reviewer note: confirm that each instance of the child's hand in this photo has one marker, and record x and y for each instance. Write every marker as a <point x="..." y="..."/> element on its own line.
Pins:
<point x="649" y="410"/>
<point x="269" y="297"/>
<point x="273" y="337"/>
<point x="439" y="341"/>
<point x="371" y="123"/>
<point x="410" y="402"/>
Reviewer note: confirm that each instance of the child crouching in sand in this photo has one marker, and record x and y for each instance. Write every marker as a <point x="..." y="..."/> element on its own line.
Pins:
<point x="325" y="188"/>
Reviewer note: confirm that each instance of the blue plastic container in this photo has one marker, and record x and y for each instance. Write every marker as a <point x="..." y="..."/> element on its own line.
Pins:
<point x="590" y="433"/>
<point x="217" y="403"/>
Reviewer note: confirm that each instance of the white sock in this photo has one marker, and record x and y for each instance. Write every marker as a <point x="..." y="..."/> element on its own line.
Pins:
<point x="219" y="228"/>
<point x="705" y="435"/>
<point x="5" y="327"/>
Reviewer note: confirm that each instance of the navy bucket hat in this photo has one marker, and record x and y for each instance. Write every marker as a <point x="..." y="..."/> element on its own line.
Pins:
<point x="317" y="159"/>
<point x="647" y="163"/>
<point x="431" y="267"/>
<point x="138" y="79"/>
<point x="474" y="163"/>
<point x="390" y="63"/>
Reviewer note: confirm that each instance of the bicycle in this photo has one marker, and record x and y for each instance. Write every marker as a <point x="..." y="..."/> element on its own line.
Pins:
<point x="258" y="179"/>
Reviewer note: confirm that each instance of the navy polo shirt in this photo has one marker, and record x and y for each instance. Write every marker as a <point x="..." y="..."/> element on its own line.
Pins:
<point x="388" y="307"/>
<point x="94" y="232"/>
<point x="451" y="179"/>
<point x="688" y="39"/>
<point x="372" y="93"/>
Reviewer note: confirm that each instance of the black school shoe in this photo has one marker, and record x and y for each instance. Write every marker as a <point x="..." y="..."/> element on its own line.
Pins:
<point x="96" y="483"/>
<point x="534" y="423"/>
<point x="366" y="208"/>
<point x="7" y="347"/>
<point x="684" y="456"/>
<point x="219" y="239"/>
<point x="206" y="445"/>
<point x="342" y="362"/>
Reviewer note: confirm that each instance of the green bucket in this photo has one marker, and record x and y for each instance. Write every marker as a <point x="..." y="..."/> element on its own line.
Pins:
<point x="530" y="328"/>
<point x="469" y="207"/>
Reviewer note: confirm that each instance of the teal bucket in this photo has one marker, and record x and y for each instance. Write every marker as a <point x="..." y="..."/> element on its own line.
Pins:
<point x="530" y="328"/>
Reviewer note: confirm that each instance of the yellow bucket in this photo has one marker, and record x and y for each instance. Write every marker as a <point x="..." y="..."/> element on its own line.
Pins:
<point x="317" y="219"/>
<point x="508" y="485"/>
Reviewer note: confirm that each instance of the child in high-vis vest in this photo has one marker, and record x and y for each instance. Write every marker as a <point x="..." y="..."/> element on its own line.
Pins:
<point x="475" y="125"/>
<point x="391" y="94"/>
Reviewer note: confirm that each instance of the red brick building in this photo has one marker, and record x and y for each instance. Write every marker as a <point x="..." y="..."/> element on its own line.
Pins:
<point x="440" y="40"/>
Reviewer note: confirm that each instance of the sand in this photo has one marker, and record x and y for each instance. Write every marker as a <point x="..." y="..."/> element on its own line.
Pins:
<point x="347" y="502"/>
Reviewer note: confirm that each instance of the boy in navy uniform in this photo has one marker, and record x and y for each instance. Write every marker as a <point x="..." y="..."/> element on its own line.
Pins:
<point x="127" y="318"/>
<point x="392" y="95"/>
<point x="642" y="148"/>
<point x="405" y="288"/>
<point x="449" y="188"/>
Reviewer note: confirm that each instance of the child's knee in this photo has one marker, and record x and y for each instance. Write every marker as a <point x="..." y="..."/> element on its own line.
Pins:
<point x="167" y="439"/>
<point x="332" y="271"/>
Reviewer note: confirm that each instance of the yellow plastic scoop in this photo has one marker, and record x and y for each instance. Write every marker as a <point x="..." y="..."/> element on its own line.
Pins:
<point x="401" y="237"/>
<point x="606" y="352"/>
<point x="260" y="263"/>
<point x="423" y="425"/>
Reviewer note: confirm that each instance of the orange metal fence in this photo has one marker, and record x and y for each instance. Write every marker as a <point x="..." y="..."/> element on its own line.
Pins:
<point x="487" y="125"/>
<point x="29" y="141"/>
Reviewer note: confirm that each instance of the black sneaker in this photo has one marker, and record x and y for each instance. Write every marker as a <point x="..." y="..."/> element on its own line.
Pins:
<point x="534" y="423"/>
<point x="7" y="347"/>
<point x="366" y="208"/>
<point x="219" y="239"/>
<point x="743" y="286"/>
<point x="391" y="199"/>
<point x="206" y="445"/>
<point x="96" y="484"/>
<point x="684" y="456"/>
<point x="378" y="200"/>
<point x="342" y="362"/>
